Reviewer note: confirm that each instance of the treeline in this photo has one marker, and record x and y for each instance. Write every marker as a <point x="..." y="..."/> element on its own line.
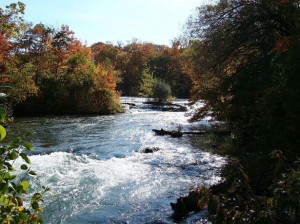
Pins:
<point x="48" y="71"/>
<point x="141" y="65"/>
<point x="245" y="65"/>
<point x="44" y="70"/>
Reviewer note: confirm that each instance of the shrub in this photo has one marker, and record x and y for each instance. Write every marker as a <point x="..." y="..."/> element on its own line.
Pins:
<point x="14" y="185"/>
<point x="161" y="91"/>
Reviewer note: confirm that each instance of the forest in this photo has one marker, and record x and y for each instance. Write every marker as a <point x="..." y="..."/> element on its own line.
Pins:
<point x="241" y="58"/>
<point x="46" y="70"/>
<point x="139" y="65"/>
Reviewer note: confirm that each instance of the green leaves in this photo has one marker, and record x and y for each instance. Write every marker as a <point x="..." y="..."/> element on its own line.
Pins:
<point x="2" y="132"/>
<point x="32" y="173"/>
<point x="25" y="157"/>
<point x="2" y="114"/>
<point x="12" y="189"/>
<point x="28" y="146"/>
<point x="3" y="188"/>
<point x="37" y="196"/>
<point x="13" y="155"/>
<point x="24" y="167"/>
<point x="23" y="216"/>
<point x="147" y="81"/>
<point x="25" y="185"/>
<point x="161" y="90"/>
<point x="5" y="175"/>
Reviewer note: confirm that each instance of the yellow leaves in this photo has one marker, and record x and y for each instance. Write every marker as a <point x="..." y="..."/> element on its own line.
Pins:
<point x="23" y="77"/>
<point x="2" y="132"/>
<point x="104" y="78"/>
<point x="25" y="185"/>
<point x="35" y="217"/>
<point x="39" y="209"/>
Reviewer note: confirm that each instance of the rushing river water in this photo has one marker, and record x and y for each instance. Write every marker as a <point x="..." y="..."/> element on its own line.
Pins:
<point x="98" y="174"/>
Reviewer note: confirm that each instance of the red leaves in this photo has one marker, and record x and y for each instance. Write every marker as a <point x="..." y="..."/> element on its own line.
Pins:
<point x="111" y="81"/>
<point x="283" y="44"/>
<point x="3" y="48"/>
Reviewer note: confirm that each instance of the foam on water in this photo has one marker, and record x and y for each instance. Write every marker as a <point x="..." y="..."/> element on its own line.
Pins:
<point x="98" y="174"/>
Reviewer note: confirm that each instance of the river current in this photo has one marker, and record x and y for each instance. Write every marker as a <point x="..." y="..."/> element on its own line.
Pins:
<point x="97" y="172"/>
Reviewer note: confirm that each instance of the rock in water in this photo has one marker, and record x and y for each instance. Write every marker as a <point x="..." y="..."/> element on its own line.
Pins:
<point x="150" y="149"/>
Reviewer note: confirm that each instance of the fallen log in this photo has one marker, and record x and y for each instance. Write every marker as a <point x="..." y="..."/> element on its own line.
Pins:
<point x="161" y="132"/>
<point x="167" y="106"/>
<point x="174" y="134"/>
<point x="178" y="133"/>
<point x="130" y="104"/>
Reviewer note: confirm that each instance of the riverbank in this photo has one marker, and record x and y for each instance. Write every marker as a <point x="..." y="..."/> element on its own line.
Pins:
<point x="107" y="104"/>
<point x="256" y="187"/>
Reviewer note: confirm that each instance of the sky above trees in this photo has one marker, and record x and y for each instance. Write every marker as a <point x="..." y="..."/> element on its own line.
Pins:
<point x="156" y="21"/>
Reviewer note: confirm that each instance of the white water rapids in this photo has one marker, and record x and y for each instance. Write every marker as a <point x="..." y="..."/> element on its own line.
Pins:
<point x="98" y="174"/>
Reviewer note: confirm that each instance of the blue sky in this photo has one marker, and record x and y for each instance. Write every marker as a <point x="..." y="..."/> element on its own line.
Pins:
<point x="156" y="21"/>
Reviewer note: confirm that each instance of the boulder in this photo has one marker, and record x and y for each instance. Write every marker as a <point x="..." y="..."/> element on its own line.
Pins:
<point x="150" y="149"/>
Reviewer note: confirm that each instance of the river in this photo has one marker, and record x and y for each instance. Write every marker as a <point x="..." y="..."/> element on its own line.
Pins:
<point x="98" y="174"/>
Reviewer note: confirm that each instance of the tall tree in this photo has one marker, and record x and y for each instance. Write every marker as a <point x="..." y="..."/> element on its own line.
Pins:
<point x="11" y="27"/>
<point x="244" y="57"/>
<point x="147" y="82"/>
<point x="234" y="56"/>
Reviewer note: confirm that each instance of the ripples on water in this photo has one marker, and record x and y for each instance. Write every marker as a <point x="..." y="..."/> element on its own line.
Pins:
<point x="97" y="173"/>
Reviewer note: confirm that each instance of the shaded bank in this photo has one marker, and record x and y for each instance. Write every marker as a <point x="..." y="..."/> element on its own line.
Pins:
<point x="98" y="103"/>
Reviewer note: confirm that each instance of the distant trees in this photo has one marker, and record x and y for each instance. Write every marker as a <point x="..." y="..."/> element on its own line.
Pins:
<point x="50" y="71"/>
<point x="131" y="60"/>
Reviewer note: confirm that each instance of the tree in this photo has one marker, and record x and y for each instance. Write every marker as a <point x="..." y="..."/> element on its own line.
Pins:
<point x="244" y="58"/>
<point x="161" y="91"/>
<point x="22" y="79"/>
<point x="50" y="70"/>
<point x="147" y="82"/>
<point x="11" y="27"/>
<point x="131" y="67"/>
<point x="163" y="62"/>
<point x="232" y="57"/>
<point x="168" y="64"/>
<point x="105" y="54"/>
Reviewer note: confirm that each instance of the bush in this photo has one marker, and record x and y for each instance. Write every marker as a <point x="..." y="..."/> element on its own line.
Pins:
<point x="14" y="183"/>
<point x="161" y="91"/>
